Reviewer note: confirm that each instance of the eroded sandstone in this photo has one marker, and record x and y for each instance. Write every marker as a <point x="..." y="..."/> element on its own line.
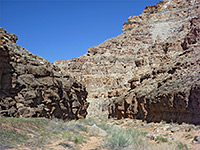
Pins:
<point x="151" y="70"/>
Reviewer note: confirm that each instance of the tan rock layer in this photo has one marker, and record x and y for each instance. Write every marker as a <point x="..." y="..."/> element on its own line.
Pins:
<point x="30" y="86"/>
<point x="156" y="50"/>
<point x="157" y="36"/>
<point x="171" y="92"/>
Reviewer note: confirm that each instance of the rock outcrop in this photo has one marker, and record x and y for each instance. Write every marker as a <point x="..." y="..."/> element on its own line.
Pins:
<point x="30" y="86"/>
<point x="169" y="90"/>
<point x="151" y="70"/>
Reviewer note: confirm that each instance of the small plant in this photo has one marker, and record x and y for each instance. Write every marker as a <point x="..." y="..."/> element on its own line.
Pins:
<point x="76" y="141"/>
<point x="164" y="122"/>
<point x="181" y="146"/>
<point x="188" y="136"/>
<point x="161" y="139"/>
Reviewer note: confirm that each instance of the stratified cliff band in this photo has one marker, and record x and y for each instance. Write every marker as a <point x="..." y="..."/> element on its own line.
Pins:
<point x="30" y="86"/>
<point x="152" y="70"/>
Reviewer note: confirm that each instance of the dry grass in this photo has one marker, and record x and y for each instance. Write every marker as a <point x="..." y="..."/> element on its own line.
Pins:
<point x="38" y="132"/>
<point x="34" y="133"/>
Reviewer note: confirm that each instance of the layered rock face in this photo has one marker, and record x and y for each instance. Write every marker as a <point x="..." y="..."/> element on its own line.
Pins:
<point x="30" y="86"/>
<point x="170" y="88"/>
<point x="151" y="70"/>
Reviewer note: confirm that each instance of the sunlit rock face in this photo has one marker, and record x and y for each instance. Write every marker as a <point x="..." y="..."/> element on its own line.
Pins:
<point x="151" y="70"/>
<point x="30" y="86"/>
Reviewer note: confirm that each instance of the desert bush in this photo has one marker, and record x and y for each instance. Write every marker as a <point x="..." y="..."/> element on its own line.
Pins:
<point x="181" y="146"/>
<point x="161" y="139"/>
<point x="123" y="138"/>
<point x="117" y="140"/>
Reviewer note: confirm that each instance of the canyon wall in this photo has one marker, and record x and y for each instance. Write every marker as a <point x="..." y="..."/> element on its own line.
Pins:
<point x="30" y="86"/>
<point x="151" y="70"/>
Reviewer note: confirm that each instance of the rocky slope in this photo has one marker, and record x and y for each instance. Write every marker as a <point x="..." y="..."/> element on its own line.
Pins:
<point x="30" y="86"/>
<point x="151" y="70"/>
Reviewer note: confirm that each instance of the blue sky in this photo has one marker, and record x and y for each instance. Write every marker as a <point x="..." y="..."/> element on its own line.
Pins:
<point x="64" y="29"/>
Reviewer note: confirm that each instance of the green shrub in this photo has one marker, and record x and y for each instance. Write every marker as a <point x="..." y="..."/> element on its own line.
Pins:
<point x="117" y="140"/>
<point x="181" y="146"/>
<point x="161" y="139"/>
<point x="121" y="138"/>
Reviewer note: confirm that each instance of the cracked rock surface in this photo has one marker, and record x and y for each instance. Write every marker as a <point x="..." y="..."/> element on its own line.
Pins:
<point x="30" y="86"/>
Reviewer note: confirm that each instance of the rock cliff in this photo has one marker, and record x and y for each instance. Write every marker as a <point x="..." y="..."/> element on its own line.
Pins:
<point x="151" y="70"/>
<point x="30" y="86"/>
